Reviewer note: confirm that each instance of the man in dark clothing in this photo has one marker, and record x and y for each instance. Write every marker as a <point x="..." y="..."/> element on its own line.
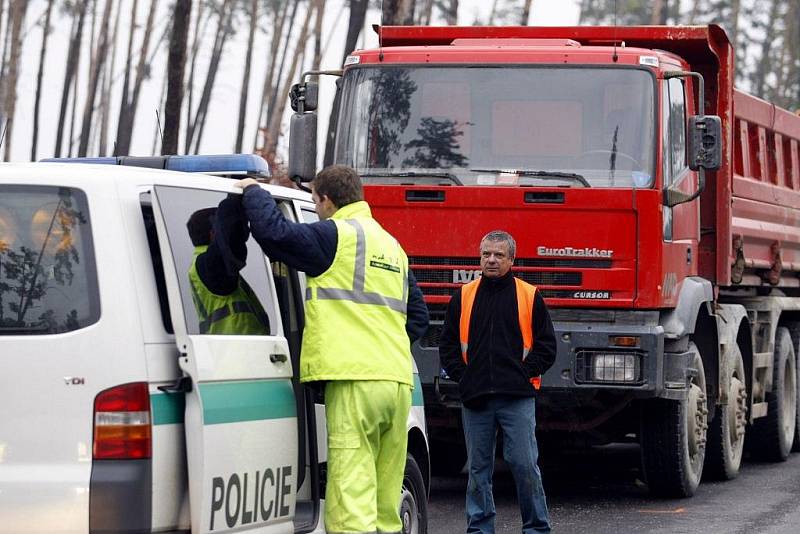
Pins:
<point x="496" y="341"/>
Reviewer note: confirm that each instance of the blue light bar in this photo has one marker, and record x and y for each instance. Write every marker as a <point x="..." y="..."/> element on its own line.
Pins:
<point x="230" y="165"/>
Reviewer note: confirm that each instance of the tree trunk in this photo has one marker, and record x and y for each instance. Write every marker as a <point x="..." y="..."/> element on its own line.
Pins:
<point x="246" y="76"/>
<point x="425" y="13"/>
<point x="128" y="116"/>
<point x="73" y="53"/>
<point x="358" y="12"/>
<point x="764" y="67"/>
<point x="266" y="90"/>
<point x="397" y="12"/>
<point x="126" y="80"/>
<point x="278" y="76"/>
<point x="108" y="84"/>
<point x="39" y="77"/>
<point x="655" y="16"/>
<point x="274" y="129"/>
<point x="450" y="12"/>
<point x="176" y="68"/>
<point x="526" y="12"/>
<point x="318" y="35"/>
<point x="158" y="134"/>
<point x="17" y="14"/>
<point x="223" y="31"/>
<point x="200" y="26"/>
<point x="94" y="78"/>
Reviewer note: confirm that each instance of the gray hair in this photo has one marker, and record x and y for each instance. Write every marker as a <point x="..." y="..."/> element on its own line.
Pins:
<point x="502" y="236"/>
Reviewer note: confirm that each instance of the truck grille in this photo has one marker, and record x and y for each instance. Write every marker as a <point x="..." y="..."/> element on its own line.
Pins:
<point x="518" y="262"/>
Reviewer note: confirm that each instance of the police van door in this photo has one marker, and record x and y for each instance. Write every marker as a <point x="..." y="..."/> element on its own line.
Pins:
<point x="240" y="421"/>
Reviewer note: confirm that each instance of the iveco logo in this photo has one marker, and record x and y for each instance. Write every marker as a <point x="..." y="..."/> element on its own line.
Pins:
<point x="463" y="276"/>
<point x="585" y="252"/>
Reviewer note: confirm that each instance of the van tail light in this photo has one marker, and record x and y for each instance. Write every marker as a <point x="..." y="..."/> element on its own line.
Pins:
<point x="122" y="428"/>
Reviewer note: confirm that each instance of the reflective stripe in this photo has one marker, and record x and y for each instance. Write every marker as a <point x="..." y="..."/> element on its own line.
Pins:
<point x="240" y="306"/>
<point x="361" y="297"/>
<point x="361" y="253"/>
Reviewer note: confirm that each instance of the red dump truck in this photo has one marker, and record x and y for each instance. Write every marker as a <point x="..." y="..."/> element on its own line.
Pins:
<point x="654" y="205"/>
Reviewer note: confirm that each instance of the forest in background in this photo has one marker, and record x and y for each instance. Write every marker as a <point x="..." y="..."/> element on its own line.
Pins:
<point x="114" y="45"/>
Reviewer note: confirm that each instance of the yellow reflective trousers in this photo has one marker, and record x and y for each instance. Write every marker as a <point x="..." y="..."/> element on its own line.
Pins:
<point x="367" y="443"/>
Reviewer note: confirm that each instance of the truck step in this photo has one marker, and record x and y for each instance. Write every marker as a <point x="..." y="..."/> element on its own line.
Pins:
<point x="762" y="359"/>
<point x="759" y="410"/>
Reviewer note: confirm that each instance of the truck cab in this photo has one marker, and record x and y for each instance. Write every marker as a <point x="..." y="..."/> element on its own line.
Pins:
<point x="126" y="415"/>
<point x="632" y="174"/>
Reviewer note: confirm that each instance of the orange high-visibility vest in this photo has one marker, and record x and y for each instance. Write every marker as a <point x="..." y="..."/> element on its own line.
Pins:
<point x="525" y="293"/>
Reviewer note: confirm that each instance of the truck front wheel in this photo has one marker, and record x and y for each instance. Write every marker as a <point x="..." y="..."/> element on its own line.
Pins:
<point x="726" y="431"/>
<point x="673" y="437"/>
<point x="773" y="434"/>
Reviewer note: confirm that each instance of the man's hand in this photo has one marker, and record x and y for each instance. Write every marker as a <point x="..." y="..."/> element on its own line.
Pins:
<point x="243" y="184"/>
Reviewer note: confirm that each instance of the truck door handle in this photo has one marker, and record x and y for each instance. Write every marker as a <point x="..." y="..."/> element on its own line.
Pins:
<point x="275" y="358"/>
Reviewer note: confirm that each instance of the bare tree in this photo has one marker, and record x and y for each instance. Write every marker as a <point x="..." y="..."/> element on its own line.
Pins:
<point x="127" y="114"/>
<point x="224" y="30"/>
<point x="94" y="79"/>
<point x="280" y="11"/>
<point x="176" y="67"/>
<point x="273" y="130"/>
<point x="398" y="12"/>
<point x="200" y="26"/>
<point x="449" y="9"/>
<point x="73" y="56"/>
<point x="17" y="14"/>
<point x="39" y="77"/>
<point x="318" y="35"/>
<point x="358" y="12"/>
<point x="526" y="12"/>
<point x="765" y="65"/>
<point x="107" y="85"/>
<point x="253" y="14"/>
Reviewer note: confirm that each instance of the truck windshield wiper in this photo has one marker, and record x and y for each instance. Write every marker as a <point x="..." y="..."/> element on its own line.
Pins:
<point x="545" y="175"/>
<point x="413" y="174"/>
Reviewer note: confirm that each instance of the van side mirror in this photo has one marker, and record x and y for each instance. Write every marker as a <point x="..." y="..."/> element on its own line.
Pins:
<point x="303" y="146"/>
<point x="704" y="143"/>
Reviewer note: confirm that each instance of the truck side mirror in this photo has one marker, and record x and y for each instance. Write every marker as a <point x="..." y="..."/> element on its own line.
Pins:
<point x="303" y="96"/>
<point x="704" y="142"/>
<point x="303" y="146"/>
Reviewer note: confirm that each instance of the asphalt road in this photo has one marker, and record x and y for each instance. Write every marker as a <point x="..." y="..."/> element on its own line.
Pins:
<point x="601" y="491"/>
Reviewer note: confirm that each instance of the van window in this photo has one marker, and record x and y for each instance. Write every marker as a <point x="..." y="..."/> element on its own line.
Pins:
<point x="215" y="299"/>
<point x="48" y="277"/>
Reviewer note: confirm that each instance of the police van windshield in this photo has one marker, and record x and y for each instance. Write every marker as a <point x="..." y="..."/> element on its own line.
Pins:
<point x="486" y="125"/>
<point x="48" y="282"/>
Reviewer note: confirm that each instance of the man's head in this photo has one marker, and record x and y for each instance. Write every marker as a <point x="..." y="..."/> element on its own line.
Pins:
<point x="334" y="187"/>
<point x="201" y="226"/>
<point x="498" y="249"/>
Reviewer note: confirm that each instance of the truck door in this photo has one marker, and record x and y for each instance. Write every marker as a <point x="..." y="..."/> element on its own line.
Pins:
<point x="240" y="420"/>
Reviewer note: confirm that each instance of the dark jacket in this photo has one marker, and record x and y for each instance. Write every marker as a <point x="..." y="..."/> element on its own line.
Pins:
<point x="311" y="248"/>
<point x="494" y="358"/>
<point x="218" y="267"/>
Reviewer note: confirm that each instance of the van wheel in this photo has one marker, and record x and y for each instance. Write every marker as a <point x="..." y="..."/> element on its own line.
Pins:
<point x="773" y="434"/>
<point x="413" y="500"/>
<point x="673" y="437"/>
<point x="726" y="430"/>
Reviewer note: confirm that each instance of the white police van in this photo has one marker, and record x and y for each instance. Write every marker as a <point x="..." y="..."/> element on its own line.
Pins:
<point x="116" y="413"/>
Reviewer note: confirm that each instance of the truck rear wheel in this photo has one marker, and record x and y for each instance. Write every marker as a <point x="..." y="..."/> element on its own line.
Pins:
<point x="673" y="437"/>
<point x="794" y="330"/>
<point x="726" y="430"/>
<point x="773" y="434"/>
<point x="413" y="500"/>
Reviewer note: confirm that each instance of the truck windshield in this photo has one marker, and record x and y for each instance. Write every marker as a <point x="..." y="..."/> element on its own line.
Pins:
<point x="516" y="126"/>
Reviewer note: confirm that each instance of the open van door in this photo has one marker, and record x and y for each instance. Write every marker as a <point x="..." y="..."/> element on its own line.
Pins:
<point x="240" y="420"/>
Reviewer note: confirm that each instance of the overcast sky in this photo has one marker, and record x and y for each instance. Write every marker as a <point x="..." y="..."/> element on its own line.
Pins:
<point x="220" y="133"/>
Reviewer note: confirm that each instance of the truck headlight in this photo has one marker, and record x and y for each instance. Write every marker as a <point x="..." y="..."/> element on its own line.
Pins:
<point x="607" y="367"/>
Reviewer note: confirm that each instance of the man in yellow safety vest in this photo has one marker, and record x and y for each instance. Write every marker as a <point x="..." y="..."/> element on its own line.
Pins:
<point x="363" y="309"/>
